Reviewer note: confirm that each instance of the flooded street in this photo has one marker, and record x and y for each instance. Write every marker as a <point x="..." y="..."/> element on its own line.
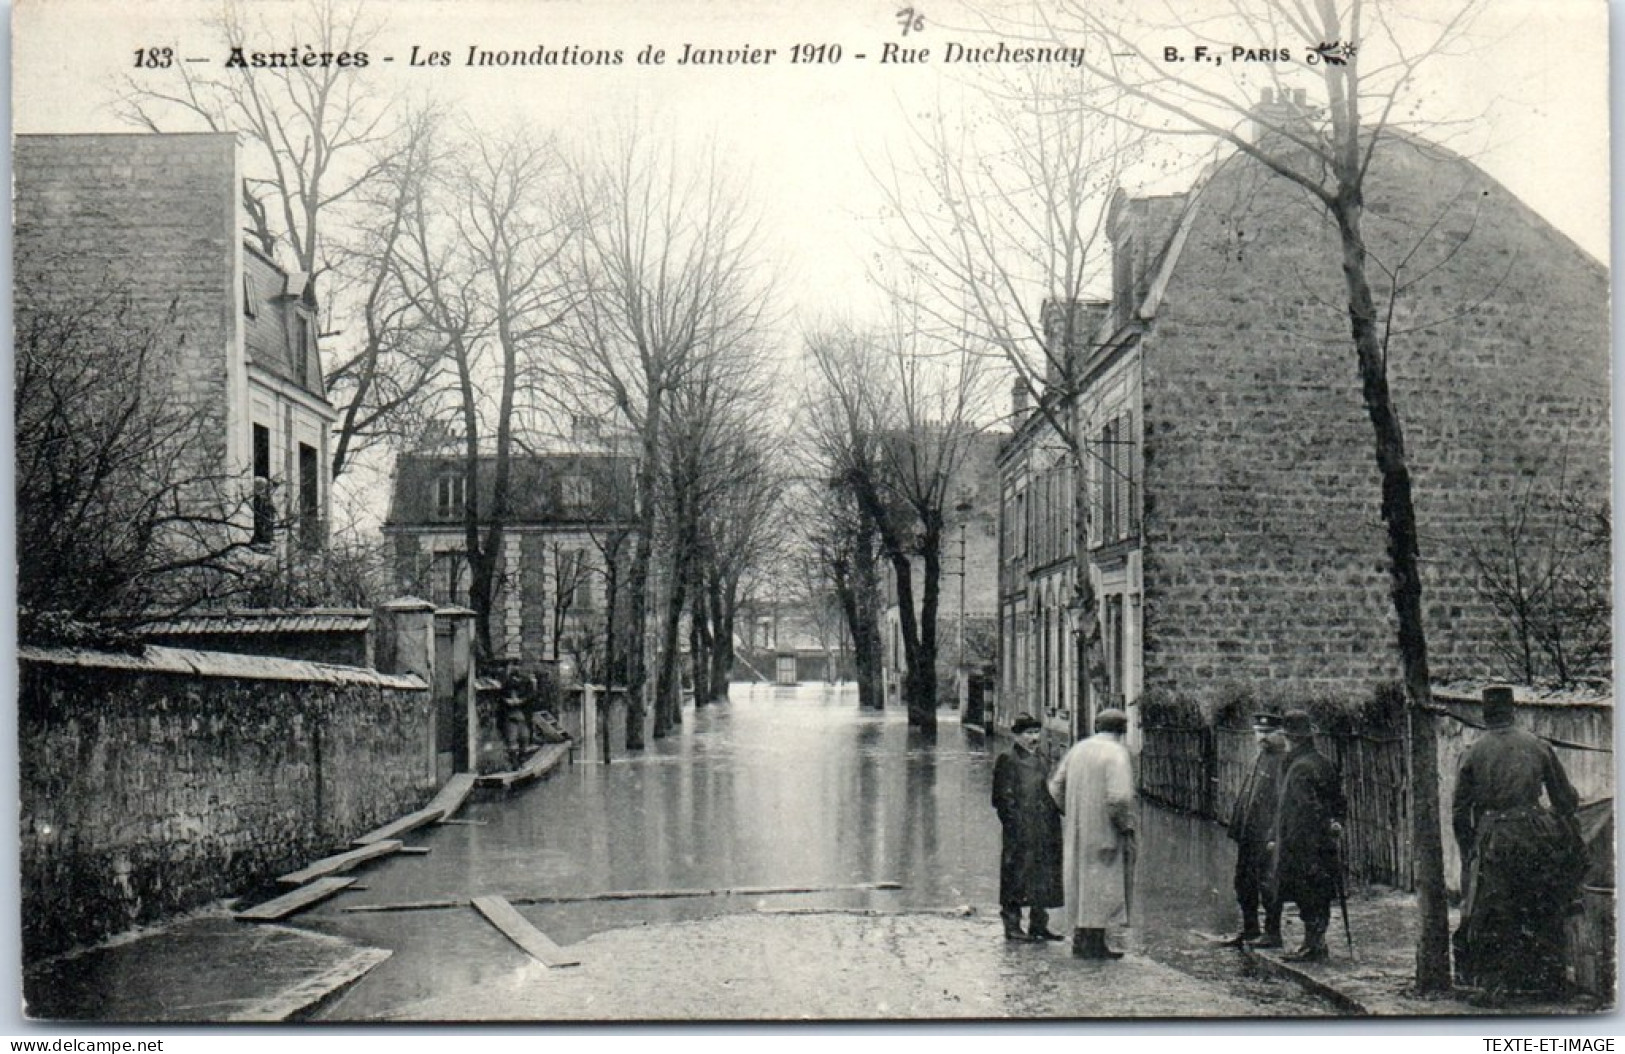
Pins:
<point x="781" y="788"/>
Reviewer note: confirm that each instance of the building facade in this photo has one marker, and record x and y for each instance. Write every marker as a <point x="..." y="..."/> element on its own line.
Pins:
<point x="571" y="528"/>
<point x="1237" y="547"/>
<point x="154" y="224"/>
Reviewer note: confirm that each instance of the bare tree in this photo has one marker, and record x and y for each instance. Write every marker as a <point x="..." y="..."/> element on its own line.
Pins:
<point x="484" y="276"/>
<point x="898" y="425"/>
<point x="666" y="274"/>
<point x="1545" y="566"/>
<point x="996" y="236"/>
<point x="120" y="516"/>
<point x="842" y="554"/>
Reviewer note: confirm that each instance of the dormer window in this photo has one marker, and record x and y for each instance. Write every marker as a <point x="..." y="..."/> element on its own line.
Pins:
<point x="450" y="496"/>
<point x="577" y="492"/>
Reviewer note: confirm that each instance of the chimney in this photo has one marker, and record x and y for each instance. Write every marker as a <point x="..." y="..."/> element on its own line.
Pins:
<point x="1278" y="111"/>
<point x="1018" y="400"/>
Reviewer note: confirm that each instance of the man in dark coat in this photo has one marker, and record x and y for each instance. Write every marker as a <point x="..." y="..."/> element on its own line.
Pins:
<point x="1309" y="815"/>
<point x="1522" y="861"/>
<point x="1030" y="863"/>
<point x="1252" y="825"/>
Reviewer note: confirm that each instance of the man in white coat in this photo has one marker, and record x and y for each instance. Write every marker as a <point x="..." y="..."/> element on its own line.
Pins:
<point x="1094" y="786"/>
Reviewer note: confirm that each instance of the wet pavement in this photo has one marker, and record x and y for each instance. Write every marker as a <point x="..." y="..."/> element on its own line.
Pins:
<point x="780" y="788"/>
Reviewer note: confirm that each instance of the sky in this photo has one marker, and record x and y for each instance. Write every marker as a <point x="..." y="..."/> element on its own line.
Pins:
<point x="806" y="138"/>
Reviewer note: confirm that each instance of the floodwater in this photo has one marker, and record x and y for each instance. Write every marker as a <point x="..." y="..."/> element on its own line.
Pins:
<point x="780" y="788"/>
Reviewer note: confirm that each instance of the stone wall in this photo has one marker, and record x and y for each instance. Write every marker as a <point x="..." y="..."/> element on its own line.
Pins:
<point x="151" y="785"/>
<point x="1264" y="546"/>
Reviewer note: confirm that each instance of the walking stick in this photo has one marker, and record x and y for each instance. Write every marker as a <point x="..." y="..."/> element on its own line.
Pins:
<point x="1343" y="894"/>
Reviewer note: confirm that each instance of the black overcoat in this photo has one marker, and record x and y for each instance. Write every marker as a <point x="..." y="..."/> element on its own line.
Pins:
<point x="1304" y="861"/>
<point x="1030" y="864"/>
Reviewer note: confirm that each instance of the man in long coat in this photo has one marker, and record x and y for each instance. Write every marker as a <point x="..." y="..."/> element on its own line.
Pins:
<point x="1094" y="785"/>
<point x="1252" y="825"/>
<point x="1308" y="823"/>
<point x="1030" y="862"/>
<point x="1522" y="860"/>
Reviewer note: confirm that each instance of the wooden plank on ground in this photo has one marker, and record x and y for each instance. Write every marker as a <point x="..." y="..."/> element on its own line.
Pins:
<point x="298" y="900"/>
<point x="342" y="862"/>
<point x="537" y="765"/>
<point x="505" y="917"/>
<point x="410" y="822"/>
<point x="452" y="795"/>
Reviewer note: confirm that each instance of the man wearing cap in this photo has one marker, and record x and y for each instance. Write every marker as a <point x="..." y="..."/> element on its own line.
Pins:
<point x="1252" y="822"/>
<point x="1522" y="860"/>
<point x="1094" y="785"/>
<point x="1030" y="860"/>
<point x="1303" y="851"/>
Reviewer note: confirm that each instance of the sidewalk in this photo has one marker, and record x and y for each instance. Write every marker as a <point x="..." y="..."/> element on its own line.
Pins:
<point x="1377" y="979"/>
<point x="762" y="966"/>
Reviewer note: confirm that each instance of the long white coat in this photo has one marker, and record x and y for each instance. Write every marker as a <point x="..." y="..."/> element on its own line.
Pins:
<point x="1094" y="781"/>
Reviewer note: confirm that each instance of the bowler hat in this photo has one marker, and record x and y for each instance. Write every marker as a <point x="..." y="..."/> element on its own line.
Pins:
<point x="1297" y="723"/>
<point x="1498" y="706"/>
<point x="1268" y="721"/>
<point x="1025" y="723"/>
<point x="1111" y="721"/>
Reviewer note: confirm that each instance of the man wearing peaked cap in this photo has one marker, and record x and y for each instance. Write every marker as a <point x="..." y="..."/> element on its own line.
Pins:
<point x="1251" y="824"/>
<point x="1304" y="848"/>
<point x="1030" y="853"/>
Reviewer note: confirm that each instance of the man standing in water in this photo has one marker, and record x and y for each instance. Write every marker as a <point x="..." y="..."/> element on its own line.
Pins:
<point x="1252" y="823"/>
<point x="1030" y="860"/>
<point x="1094" y="785"/>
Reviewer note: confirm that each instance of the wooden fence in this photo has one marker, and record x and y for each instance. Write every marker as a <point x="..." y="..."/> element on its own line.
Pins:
<point x="1200" y="769"/>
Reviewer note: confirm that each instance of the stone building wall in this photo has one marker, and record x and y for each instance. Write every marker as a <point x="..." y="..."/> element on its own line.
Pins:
<point x="156" y="784"/>
<point x="1264" y="548"/>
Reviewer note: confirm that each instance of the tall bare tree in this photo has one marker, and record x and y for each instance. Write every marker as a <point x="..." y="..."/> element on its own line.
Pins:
<point x="898" y="424"/>
<point x="485" y="277"/>
<point x="666" y="274"/>
<point x="996" y="220"/>
<point x="1369" y="54"/>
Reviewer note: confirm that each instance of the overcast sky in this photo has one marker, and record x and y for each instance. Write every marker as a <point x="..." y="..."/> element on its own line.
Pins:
<point x="803" y="134"/>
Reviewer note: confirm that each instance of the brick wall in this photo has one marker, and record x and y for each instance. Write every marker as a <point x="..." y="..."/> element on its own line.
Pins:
<point x="153" y="785"/>
<point x="152" y="214"/>
<point x="1264" y="548"/>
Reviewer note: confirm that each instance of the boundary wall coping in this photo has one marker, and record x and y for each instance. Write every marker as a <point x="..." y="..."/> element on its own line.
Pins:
<point x="189" y="661"/>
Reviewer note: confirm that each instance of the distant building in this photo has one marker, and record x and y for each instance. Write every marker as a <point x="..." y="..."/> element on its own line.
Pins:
<point x="570" y="528"/>
<point x="160" y="218"/>
<point x="1237" y="546"/>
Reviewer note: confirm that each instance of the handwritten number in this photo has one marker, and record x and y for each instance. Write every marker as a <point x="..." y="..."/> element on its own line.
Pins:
<point x="910" y="19"/>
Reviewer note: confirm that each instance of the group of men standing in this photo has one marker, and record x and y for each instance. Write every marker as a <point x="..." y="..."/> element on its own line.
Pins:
<point x="1070" y="839"/>
<point x="1288" y="829"/>
<point x="1069" y="836"/>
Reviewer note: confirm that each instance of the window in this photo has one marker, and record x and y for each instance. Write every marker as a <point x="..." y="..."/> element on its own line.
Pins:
<point x="447" y="578"/>
<point x="1118" y="498"/>
<point x="251" y="307"/>
<point x="577" y="492"/>
<point x="310" y="498"/>
<point x="450" y="496"/>
<point x="264" y="504"/>
<point x="304" y="346"/>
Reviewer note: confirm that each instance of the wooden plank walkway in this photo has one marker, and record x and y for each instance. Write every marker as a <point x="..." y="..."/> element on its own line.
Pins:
<point x="298" y="900"/>
<point x="341" y="862"/>
<point x="410" y="822"/>
<point x="536" y="766"/>
<point x="453" y="794"/>
<point x="505" y="917"/>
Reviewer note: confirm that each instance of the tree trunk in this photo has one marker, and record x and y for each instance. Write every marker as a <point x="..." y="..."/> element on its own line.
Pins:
<point x="919" y="681"/>
<point x="1433" y="946"/>
<point x="722" y="639"/>
<point x="668" y="697"/>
